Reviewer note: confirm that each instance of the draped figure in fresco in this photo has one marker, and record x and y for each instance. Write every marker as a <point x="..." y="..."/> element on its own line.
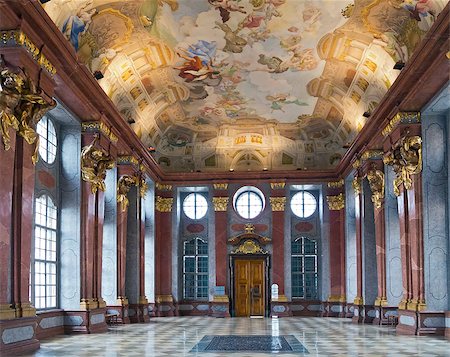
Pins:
<point x="77" y="25"/>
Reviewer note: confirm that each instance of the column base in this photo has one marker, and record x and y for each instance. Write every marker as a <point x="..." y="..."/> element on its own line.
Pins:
<point x="349" y="310"/>
<point x="358" y="314"/>
<point x="18" y="336"/>
<point x="121" y="311"/>
<point x="138" y="313"/>
<point x="383" y="313"/>
<point x="165" y="306"/>
<point x="92" y="321"/>
<point x="7" y="312"/>
<point x="151" y="309"/>
<point x="25" y="309"/>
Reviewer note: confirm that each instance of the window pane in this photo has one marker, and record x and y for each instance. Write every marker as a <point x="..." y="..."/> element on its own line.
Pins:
<point x="195" y="206"/>
<point x="303" y="204"/>
<point x="47" y="140"/>
<point x="195" y="276"/>
<point x="249" y="204"/>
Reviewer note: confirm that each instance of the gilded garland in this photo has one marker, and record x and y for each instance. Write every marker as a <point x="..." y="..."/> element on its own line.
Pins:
<point x="406" y="160"/>
<point x="376" y="183"/>
<point x="22" y="105"/>
<point x="356" y="184"/>
<point x="336" y="203"/>
<point x="94" y="163"/>
<point x="123" y="187"/>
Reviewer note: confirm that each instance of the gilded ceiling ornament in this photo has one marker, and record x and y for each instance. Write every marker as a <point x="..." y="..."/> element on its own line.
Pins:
<point x="277" y="203"/>
<point x="336" y="203"/>
<point x="277" y="185"/>
<point x="336" y="184"/>
<point x="94" y="163"/>
<point x="163" y="187"/>
<point x="376" y="182"/>
<point x="164" y="204"/>
<point x="401" y="117"/>
<point x="348" y="11"/>
<point x="123" y="187"/>
<point x="356" y="184"/>
<point x="220" y="204"/>
<point x="96" y="126"/>
<point x="220" y="186"/>
<point x="406" y="160"/>
<point x="249" y="247"/>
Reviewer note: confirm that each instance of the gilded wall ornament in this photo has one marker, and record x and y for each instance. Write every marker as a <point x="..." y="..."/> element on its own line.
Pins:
<point x="143" y="186"/>
<point x="220" y="204"/>
<point x="336" y="184"/>
<point x="406" y="160"/>
<point x="277" y="185"/>
<point x="94" y="163"/>
<point x="96" y="126"/>
<point x="277" y="203"/>
<point x="123" y="187"/>
<point x="356" y="184"/>
<point x="249" y="247"/>
<point x="164" y="204"/>
<point x="11" y="86"/>
<point x="163" y="187"/>
<point x="401" y="117"/>
<point x="336" y="203"/>
<point x="376" y="183"/>
<point x="249" y="228"/>
<point x="372" y="154"/>
<point x="220" y="186"/>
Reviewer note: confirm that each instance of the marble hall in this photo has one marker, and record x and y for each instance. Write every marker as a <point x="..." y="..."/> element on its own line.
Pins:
<point x="224" y="178"/>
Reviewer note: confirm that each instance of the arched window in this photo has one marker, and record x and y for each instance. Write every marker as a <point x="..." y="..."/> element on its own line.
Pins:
<point x="47" y="140"/>
<point x="44" y="262"/>
<point x="195" y="206"/>
<point x="304" y="269"/>
<point x="303" y="204"/>
<point x="248" y="202"/>
<point x="195" y="269"/>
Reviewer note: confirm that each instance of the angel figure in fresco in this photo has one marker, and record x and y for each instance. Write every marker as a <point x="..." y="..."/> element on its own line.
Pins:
<point x="274" y="64"/>
<point x="234" y="42"/>
<point x="204" y="50"/>
<point x="195" y="70"/>
<point x="280" y="99"/>
<point x="77" y="25"/>
<point x="225" y="7"/>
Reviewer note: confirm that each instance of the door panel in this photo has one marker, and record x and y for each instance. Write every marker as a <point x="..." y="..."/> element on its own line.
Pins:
<point x="249" y="287"/>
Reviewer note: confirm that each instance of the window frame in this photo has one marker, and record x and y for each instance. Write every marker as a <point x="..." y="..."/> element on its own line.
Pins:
<point x="46" y="262"/>
<point x="248" y="190"/>
<point x="48" y="142"/>
<point x="303" y="273"/>
<point x="302" y="205"/>
<point x="196" y="255"/>
<point x="195" y="195"/>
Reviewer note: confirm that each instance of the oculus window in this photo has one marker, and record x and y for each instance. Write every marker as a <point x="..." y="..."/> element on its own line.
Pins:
<point x="195" y="206"/>
<point x="304" y="269"/>
<point x="47" y="140"/>
<point x="303" y="204"/>
<point x="248" y="202"/>
<point x="44" y="266"/>
<point x="195" y="269"/>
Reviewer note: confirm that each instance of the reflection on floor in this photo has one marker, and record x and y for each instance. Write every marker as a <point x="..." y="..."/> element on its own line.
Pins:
<point x="176" y="336"/>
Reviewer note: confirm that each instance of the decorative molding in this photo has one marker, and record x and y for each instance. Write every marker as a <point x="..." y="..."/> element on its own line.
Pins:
<point x="164" y="204"/>
<point x="356" y="184"/>
<point x="372" y="154"/>
<point x="376" y="183"/>
<point x="406" y="160"/>
<point x="277" y="203"/>
<point x="163" y="187"/>
<point x="127" y="160"/>
<point x="401" y="117"/>
<point x="123" y="187"/>
<point x="249" y="247"/>
<point x="18" y="38"/>
<point x="336" y="184"/>
<point x="336" y="203"/>
<point x="220" y="204"/>
<point x="277" y="185"/>
<point x="220" y="186"/>
<point x="94" y="163"/>
<point x="249" y="234"/>
<point x="249" y="228"/>
<point x="98" y="126"/>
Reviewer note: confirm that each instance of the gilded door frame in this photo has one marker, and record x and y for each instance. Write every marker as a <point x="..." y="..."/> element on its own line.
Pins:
<point x="267" y="267"/>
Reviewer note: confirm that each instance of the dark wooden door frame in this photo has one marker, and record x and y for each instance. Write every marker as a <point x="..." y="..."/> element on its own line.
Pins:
<point x="267" y="290"/>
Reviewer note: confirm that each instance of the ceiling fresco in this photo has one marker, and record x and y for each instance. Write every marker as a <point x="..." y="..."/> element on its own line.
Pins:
<point x="216" y="85"/>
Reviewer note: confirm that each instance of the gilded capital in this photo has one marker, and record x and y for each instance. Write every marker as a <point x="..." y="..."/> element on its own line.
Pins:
<point x="94" y="163"/>
<point x="376" y="183"/>
<point x="336" y="184"/>
<point x="99" y="127"/>
<point x="336" y="203"/>
<point x="123" y="187"/>
<point x="164" y="204"/>
<point x="163" y="187"/>
<point x="277" y="185"/>
<point x="220" y="186"/>
<point x="220" y="204"/>
<point x="277" y="203"/>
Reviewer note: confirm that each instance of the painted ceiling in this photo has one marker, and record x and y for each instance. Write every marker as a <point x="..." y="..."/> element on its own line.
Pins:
<point x="214" y="85"/>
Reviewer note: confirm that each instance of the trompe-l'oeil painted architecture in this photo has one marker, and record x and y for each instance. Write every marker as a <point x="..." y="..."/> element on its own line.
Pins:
<point x="222" y="158"/>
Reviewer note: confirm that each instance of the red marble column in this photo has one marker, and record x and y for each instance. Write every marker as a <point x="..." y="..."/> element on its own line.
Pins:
<point x="7" y="311"/>
<point x="278" y="203"/>
<point x="336" y="207"/>
<point x="163" y="250"/>
<point x="358" y="302"/>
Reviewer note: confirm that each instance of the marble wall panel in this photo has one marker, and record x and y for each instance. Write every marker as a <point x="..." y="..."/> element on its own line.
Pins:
<point x="350" y="240"/>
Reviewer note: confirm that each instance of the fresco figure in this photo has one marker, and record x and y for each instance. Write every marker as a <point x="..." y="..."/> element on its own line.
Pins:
<point x="77" y="25"/>
<point x="225" y="7"/>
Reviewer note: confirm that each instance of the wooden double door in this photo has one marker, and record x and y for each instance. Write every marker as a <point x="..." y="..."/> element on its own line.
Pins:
<point x="249" y="287"/>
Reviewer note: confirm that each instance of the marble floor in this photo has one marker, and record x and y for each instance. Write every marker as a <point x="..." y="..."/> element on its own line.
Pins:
<point x="178" y="335"/>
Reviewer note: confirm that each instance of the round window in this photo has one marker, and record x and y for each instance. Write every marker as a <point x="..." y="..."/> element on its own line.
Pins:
<point x="195" y="206"/>
<point x="249" y="202"/>
<point x="47" y="140"/>
<point x="303" y="204"/>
